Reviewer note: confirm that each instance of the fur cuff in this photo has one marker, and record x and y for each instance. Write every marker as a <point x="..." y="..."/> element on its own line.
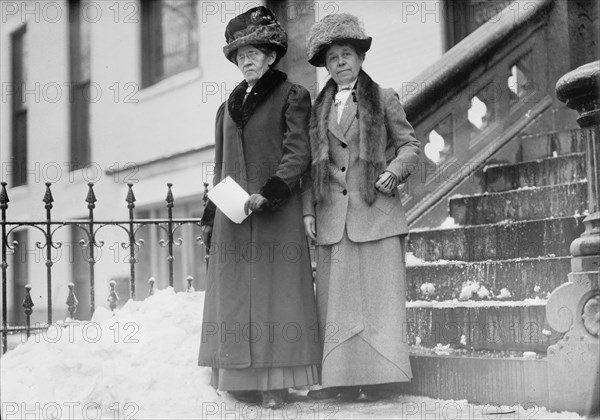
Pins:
<point x="208" y="217"/>
<point x="276" y="191"/>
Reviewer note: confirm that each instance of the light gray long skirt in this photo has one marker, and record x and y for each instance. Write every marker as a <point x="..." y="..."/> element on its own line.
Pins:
<point x="361" y="297"/>
<point x="264" y="379"/>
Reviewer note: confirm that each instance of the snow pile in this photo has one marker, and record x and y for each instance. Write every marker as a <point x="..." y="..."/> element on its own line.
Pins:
<point x="411" y="259"/>
<point x="483" y="292"/>
<point x="140" y="363"/>
<point x="504" y="293"/>
<point x="443" y="350"/>
<point x="471" y="288"/>
<point x="428" y="290"/>
<point x="449" y="223"/>
<point x="468" y="290"/>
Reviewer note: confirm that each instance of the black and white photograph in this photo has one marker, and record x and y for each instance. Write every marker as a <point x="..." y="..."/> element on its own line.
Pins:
<point x="298" y="209"/>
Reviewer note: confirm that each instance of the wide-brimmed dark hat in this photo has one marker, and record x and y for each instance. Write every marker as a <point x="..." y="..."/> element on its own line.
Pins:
<point x="335" y="29"/>
<point x="258" y="26"/>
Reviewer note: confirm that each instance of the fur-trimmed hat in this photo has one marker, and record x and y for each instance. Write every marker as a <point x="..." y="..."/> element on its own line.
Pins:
<point x="335" y="28"/>
<point x="258" y="26"/>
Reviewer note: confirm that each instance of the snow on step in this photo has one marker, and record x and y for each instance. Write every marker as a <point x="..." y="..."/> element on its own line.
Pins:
<point x="523" y="277"/>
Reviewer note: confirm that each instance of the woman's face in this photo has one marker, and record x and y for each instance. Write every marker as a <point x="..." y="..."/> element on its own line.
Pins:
<point x="343" y="63"/>
<point x="253" y="63"/>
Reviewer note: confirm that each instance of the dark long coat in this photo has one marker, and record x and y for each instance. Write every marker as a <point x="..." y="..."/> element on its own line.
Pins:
<point x="259" y="305"/>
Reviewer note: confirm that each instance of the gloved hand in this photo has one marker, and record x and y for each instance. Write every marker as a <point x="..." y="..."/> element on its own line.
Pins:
<point x="387" y="182"/>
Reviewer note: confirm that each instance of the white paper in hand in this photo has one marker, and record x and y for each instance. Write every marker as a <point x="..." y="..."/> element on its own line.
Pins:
<point x="230" y="198"/>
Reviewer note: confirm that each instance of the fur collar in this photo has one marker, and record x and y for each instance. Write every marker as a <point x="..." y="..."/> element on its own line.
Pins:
<point x="372" y="132"/>
<point x="241" y="110"/>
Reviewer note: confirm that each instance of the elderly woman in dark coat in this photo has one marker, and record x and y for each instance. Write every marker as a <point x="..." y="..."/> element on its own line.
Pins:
<point x="363" y="148"/>
<point x="260" y="329"/>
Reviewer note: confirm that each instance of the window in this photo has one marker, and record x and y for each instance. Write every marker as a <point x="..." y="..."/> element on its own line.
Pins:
<point x="465" y="16"/>
<point x="79" y="52"/>
<point x="19" y="108"/>
<point x="169" y="39"/>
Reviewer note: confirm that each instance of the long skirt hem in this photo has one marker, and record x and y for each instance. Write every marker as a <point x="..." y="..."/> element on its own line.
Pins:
<point x="264" y="379"/>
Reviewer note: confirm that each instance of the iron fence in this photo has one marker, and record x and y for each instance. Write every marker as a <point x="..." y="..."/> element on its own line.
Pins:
<point x="90" y="228"/>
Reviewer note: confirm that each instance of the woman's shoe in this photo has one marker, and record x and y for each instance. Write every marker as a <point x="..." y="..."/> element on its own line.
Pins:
<point x="248" y="397"/>
<point x="348" y="393"/>
<point x="341" y="392"/>
<point x="273" y="399"/>
<point x="368" y="394"/>
<point x="324" y="393"/>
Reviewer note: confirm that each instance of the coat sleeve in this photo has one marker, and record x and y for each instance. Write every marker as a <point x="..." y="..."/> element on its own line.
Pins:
<point x="308" y="202"/>
<point x="402" y="142"/>
<point x="209" y="211"/>
<point x="295" y="157"/>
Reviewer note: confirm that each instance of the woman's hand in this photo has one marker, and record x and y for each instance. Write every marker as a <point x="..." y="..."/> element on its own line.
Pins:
<point x="206" y="233"/>
<point x="310" y="226"/>
<point x="386" y="182"/>
<point x="254" y="203"/>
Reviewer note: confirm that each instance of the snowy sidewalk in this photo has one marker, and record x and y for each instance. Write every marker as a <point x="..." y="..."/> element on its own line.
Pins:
<point x="141" y="363"/>
<point x="393" y="407"/>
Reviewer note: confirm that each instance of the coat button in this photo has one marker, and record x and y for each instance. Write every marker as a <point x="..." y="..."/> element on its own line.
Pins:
<point x="345" y="192"/>
<point x="343" y="169"/>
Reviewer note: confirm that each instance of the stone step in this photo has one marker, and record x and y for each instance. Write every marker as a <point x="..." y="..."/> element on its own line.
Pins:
<point x="524" y="278"/>
<point x="500" y="241"/>
<point x="485" y="325"/>
<point x="522" y="204"/>
<point x="540" y="146"/>
<point x="549" y="171"/>
<point x="480" y="378"/>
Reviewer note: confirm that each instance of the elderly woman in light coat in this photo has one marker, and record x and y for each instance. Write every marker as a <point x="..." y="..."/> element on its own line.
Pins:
<point x="362" y="149"/>
<point x="259" y="326"/>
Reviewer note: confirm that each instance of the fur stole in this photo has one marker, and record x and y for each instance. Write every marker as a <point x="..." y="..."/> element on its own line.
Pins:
<point x="240" y="110"/>
<point x="371" y="119"/>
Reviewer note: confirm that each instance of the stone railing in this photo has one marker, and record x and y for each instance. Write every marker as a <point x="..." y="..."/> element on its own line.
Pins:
<point x="480" y="95"/>
<point x="574" y="307"/>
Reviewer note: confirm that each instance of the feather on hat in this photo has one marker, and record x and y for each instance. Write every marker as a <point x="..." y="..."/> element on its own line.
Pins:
<point x="335" y="28"/>
<point x="257" y="26"/>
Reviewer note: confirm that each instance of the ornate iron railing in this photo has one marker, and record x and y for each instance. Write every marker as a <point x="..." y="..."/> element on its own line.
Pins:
<point x="90" y="228"/>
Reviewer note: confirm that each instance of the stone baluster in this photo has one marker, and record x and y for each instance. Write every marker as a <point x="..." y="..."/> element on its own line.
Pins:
<point x="572" y="309"/>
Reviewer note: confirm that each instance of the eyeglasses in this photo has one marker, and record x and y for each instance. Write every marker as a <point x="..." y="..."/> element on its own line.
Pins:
<point x="252" y="55"/>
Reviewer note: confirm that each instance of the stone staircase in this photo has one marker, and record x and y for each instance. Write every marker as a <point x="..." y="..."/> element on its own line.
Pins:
<point x="477" y="288"/>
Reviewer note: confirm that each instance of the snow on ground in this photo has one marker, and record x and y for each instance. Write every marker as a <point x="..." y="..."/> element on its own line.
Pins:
<point x="141" y="364"/>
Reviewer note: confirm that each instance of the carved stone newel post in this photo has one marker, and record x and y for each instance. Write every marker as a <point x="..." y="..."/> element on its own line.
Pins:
<point x="573" y="308"/>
